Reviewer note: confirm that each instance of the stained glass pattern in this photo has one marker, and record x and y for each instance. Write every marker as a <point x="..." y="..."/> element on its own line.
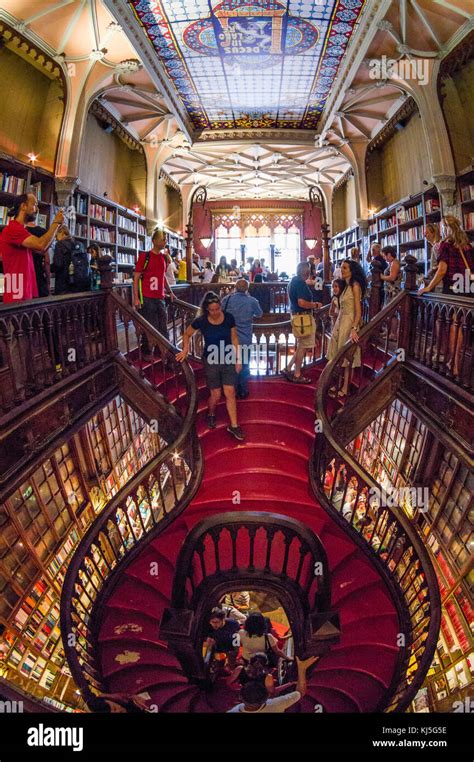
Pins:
<point x="251" y="63"/>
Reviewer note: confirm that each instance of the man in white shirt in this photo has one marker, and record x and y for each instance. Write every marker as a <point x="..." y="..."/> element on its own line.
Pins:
<point x="197" y="271"/>
<point x="255" y="695"/>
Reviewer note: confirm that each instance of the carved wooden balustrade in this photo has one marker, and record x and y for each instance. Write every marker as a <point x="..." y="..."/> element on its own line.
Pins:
<point x="356" y="501"/>
<point x="249" y="550"/>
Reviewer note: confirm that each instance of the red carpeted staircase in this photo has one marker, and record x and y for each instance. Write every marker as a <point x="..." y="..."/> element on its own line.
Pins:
<point x="270" y="473"/>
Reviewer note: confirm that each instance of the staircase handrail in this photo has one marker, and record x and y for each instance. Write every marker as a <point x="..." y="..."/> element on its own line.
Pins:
<point x="399" y="552"/>
<point x="274" y="523"/>
<point x="165" y="486"/>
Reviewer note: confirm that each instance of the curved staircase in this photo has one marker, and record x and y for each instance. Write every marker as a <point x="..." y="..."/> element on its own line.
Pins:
<point x="269" y="472"/>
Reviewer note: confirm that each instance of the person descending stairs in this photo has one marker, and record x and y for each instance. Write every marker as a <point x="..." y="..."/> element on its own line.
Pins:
<point x="269" y="472"/>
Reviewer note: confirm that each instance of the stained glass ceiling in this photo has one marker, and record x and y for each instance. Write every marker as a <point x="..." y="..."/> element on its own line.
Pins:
<point x="250" y="63"/>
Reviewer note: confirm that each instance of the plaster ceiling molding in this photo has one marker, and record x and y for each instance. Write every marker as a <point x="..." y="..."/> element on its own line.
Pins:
<point x="266" y="168"/>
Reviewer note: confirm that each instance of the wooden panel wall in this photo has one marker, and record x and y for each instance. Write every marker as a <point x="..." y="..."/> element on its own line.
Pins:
<point x="458" y="94"/>
<point x="107" y="164"/>
<point x="400" y="167"/>
<point x="344" y="210"/>
<point x="31" y="110"/>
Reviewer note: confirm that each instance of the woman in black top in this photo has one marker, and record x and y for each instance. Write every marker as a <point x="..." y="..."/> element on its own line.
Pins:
<point x="222" y="361"/>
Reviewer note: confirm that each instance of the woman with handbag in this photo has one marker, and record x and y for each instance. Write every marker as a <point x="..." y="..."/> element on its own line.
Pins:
<point x="303" y="324"/>
<point x="348" y="320"/>
<point x="255" y="638"/>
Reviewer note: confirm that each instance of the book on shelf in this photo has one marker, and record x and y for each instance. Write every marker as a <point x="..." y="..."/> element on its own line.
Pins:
<point x="412" y="234"/>
<point x="467" y="192"/>
<point x="432" y="205"/>
<point x="80" y="230"/>
<point x="125" y="222"/>
<point x="81" y="204"/>
<point x="102" y="234"/>
<point x="408" y="214"/>
<point x="389" y="240"/>
<point x="4" y="215"/>
<point x="469" y="221"/>
<point x="11" y="184"/>
<point x="99" y="212"/>
<point x="388" y="222"/>
<point x="126" y="240"/>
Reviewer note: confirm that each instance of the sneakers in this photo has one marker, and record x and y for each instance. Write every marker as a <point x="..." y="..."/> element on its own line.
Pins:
<point x="236" y="432"/>
<point x="211" y="421"/>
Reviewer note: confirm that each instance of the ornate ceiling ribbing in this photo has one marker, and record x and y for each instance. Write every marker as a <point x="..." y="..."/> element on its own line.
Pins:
<point x="250" y="63"/>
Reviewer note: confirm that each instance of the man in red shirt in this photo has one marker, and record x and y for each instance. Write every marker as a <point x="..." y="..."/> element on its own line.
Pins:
<point x="16" y="246"/>
<point x="150" y="275"/>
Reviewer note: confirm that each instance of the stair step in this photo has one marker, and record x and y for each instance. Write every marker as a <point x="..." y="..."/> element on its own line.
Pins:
<point x="145" y="678"/>
<point x="117" y="625"/>
<point x="138" y="595"/>
<point x="364" y="689"/>
<point x="118" y="657"/>
<point x="331" y="699"/>
<point x="375" y="660"/>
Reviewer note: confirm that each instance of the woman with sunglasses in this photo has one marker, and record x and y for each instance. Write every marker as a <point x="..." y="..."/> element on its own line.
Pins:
<point x="221" y="358"/>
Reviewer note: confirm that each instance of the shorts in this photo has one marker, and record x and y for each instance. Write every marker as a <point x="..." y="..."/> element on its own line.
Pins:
<point x="219" y="375"/>
<point x="308" y="342"/>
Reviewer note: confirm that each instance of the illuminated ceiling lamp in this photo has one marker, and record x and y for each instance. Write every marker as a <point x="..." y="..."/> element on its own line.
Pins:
<point x="310" y="242"/>
<point x="206" y="242"/>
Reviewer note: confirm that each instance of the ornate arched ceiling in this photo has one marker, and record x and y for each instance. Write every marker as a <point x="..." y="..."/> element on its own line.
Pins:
<point x="265" y="122"/>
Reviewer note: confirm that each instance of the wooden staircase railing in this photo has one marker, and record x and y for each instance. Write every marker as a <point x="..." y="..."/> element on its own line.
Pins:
<point x="272" y="343"/>
<point x="355" y="500"/>
<point x="144" y="506"/>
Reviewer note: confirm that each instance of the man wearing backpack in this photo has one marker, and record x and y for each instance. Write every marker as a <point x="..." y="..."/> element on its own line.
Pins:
<point x="150" y="286"/>
<point x="70" y="265"/>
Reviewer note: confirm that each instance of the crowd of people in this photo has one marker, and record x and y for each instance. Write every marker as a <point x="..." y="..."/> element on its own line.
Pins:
<point x="248" y="651"/>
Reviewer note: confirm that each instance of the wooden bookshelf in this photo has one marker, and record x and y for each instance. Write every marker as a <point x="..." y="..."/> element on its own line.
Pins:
<point x="41" y="524"/>
<point x="119" y="231"/>
<point x="18" y="177"/>
<point x="466" y="196"/>
<point x="402" y="225"/>
<point x="342" y="243"/>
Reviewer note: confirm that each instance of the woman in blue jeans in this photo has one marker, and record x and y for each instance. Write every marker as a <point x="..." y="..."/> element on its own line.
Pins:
<point x="221" y="359"/>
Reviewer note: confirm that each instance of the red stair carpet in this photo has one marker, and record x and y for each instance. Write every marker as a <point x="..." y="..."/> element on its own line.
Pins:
<point x="270" y="470"/>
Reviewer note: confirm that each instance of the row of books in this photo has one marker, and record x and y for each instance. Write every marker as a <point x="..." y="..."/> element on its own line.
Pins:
<point x="81" y="230"/>
<point x="432" y="205"/>
<point x="467" y="192"/>
<point x="125" y="259"/>
<point x="388" y="222"/>
<point x="12" y="184"/>
<point x="469" y="221"/>
<point x="125" y="222"/>
<point x="412" y="234"/>
<point x="3" y="215"/>
<point x="389" y="240"/>
<point x="102" y="234"/>
<point x="410" y="213"/>
<point x="418" y="253"/>
<point x="81" y="204"/>
<point x="141" y="229"/>
<point x="127" y="240"/>
<point x="99" y="212"/>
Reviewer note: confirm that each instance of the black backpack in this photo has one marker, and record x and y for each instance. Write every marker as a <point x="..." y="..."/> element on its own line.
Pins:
<point x="80" y="273"/>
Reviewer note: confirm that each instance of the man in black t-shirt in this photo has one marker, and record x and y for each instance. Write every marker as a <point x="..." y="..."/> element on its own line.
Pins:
<point x="222" y="636"/>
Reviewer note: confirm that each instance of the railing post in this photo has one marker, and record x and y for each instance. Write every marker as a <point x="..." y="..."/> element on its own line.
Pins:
<point x="106" y="285"/>
<point x="411" y="271"/>
<point x="375" y="296"/>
